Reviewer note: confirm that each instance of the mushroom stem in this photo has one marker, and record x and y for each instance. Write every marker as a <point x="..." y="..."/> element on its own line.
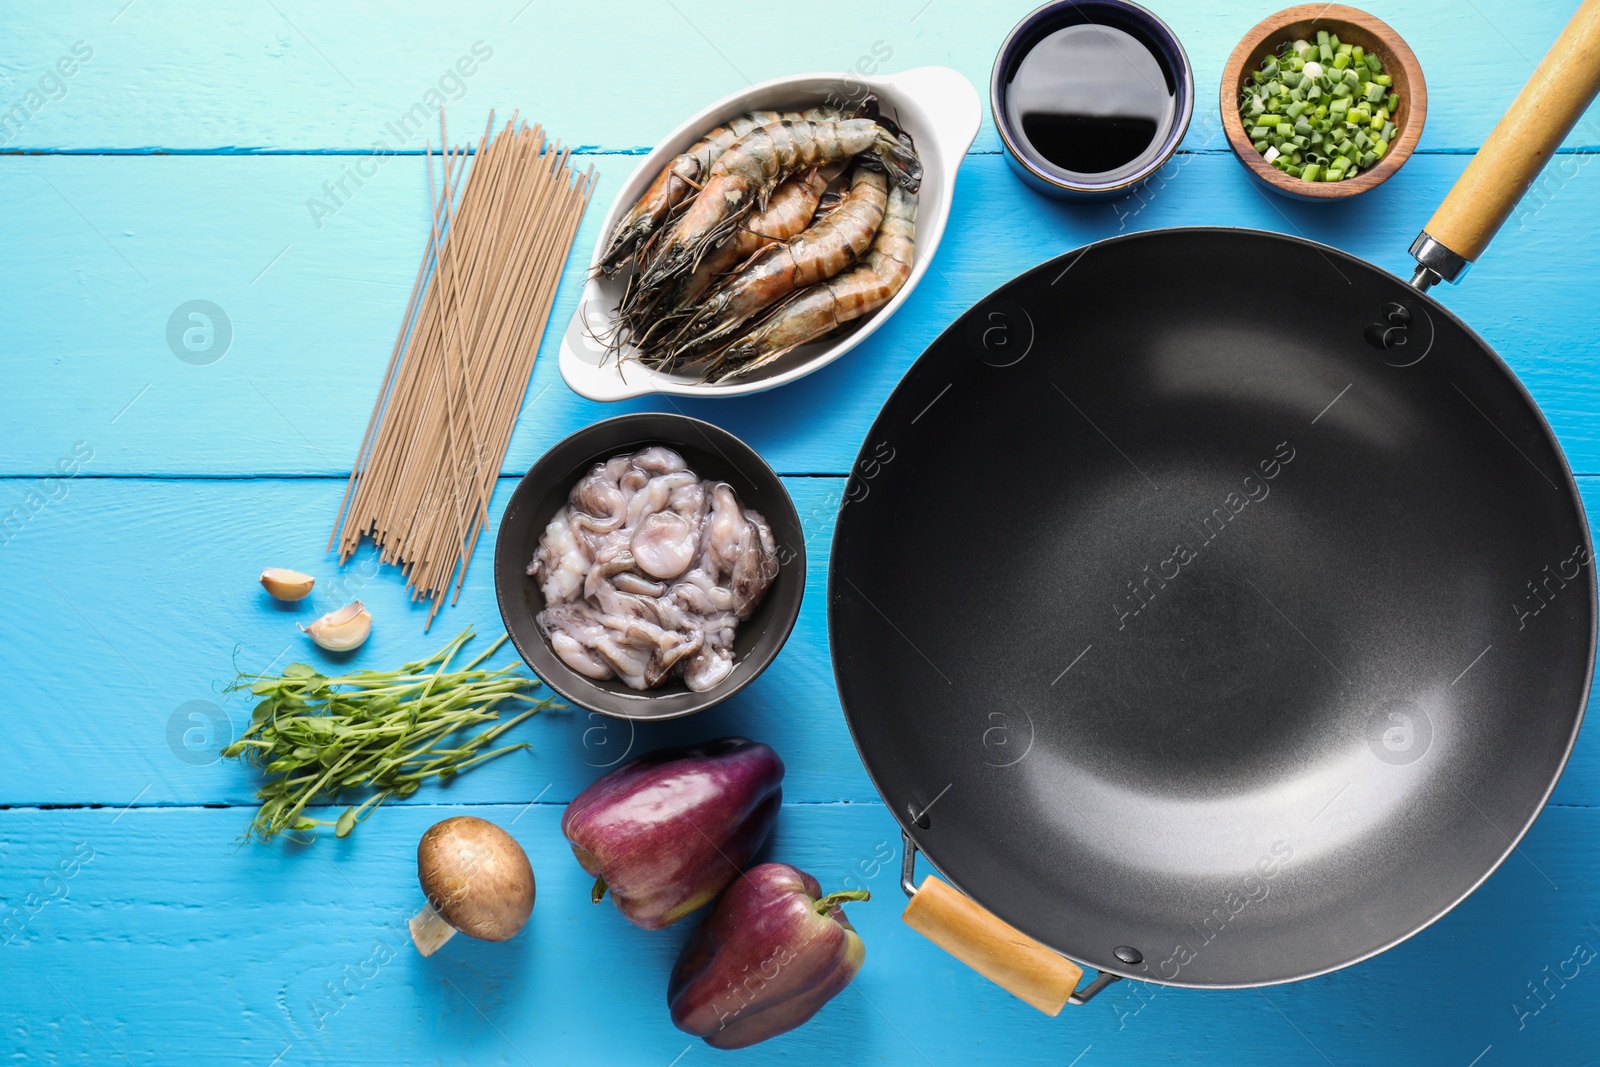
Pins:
<point x="429" y="930"/>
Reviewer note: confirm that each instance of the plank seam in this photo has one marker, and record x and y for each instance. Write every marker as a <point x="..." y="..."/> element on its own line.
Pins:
<point x="231" y="806"/>
<point x="292" y="477"/>
<point x="289" y="476"/>
<point x="585" y="150"/>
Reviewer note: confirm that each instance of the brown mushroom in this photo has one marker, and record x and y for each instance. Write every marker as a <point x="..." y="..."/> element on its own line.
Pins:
<point x="477" y="880"/>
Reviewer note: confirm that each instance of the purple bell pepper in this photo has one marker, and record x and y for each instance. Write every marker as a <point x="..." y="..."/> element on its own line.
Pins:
<point x="668" y="831"/>
<point x="773" y="951"/>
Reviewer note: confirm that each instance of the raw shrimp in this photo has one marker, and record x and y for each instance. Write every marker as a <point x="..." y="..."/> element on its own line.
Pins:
<point x="812" y="312"/>
<point x="788" y="213"/>
<point x="748" y="171"/>
<point x="819" y="253"/>
<point x="675" y="182"/>
<point x="681" y="178"/>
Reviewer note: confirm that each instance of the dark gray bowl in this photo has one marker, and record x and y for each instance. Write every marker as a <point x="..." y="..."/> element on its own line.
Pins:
<point x="712" y="453"/>
<point x="1163" y="45"/>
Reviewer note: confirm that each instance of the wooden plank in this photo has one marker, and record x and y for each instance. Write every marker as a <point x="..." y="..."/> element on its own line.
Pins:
<point x="171" y="945"/>
<point x="106" y="249"/>
<point x="131" y="596"/>
<point x="300" y="75"/>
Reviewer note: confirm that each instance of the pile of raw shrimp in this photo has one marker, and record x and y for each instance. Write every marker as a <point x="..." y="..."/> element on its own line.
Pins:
<point x="648" y="571"/>
<point x="768" y="233"/>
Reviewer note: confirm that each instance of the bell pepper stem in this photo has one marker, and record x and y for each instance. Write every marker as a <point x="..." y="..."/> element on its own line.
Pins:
<point x="598" y="893"/>
<point x="832" y="900"/>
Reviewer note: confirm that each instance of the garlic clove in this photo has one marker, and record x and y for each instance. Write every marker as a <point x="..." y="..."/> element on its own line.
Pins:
<point x="342" y="630"/>
<point x="287" y="584"/>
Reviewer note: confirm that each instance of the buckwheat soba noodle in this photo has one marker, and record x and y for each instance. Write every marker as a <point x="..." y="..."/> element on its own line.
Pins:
<point x="499" y="235"/>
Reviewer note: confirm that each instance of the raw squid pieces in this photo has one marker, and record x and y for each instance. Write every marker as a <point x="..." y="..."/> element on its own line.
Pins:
<point x="648" y="571"/>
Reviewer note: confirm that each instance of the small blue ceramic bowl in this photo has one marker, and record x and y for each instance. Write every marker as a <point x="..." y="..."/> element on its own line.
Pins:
<point x="1090" y="97"/>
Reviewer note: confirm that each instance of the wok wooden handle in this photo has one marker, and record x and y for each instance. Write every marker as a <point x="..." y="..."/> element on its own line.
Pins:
<point x="1540" y="118"/>
<point x="995" y="949"/>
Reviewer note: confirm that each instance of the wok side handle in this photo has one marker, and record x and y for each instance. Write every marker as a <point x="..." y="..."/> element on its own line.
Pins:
<point x="1520" y="145"/>
<point x="994" y="948"/>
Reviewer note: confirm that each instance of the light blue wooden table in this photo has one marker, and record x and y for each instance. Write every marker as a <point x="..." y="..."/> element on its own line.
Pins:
<point x="176" y="163"/>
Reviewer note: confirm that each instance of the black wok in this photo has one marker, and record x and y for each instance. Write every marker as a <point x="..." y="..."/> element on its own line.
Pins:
<point x="1204" y="652"/>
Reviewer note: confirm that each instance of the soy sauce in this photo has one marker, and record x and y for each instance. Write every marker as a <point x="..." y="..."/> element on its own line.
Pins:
<point x="1091" y="100"/>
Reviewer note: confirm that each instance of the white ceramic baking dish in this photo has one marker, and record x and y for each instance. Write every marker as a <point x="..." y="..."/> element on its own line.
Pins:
<point x="936" y="105"/>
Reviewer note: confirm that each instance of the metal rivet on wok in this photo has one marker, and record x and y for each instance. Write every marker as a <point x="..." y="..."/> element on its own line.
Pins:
<point x="1128" y="954"/>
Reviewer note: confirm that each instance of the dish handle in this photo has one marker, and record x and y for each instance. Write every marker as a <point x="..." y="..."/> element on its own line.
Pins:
<point x="1517" y="149"/>
<point x="588" y="370"/>
<point x="994" y="948"/>
<point x="952" y="105"/>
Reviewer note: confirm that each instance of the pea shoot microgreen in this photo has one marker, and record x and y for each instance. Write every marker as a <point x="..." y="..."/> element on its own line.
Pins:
<point x="317" y="736"/>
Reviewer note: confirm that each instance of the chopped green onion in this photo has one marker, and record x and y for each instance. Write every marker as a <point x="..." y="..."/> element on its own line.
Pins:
<point x="1320" y="111"/>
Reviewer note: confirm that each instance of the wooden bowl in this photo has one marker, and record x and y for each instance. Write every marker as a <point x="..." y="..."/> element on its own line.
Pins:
<point x="1352" y="27"/>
